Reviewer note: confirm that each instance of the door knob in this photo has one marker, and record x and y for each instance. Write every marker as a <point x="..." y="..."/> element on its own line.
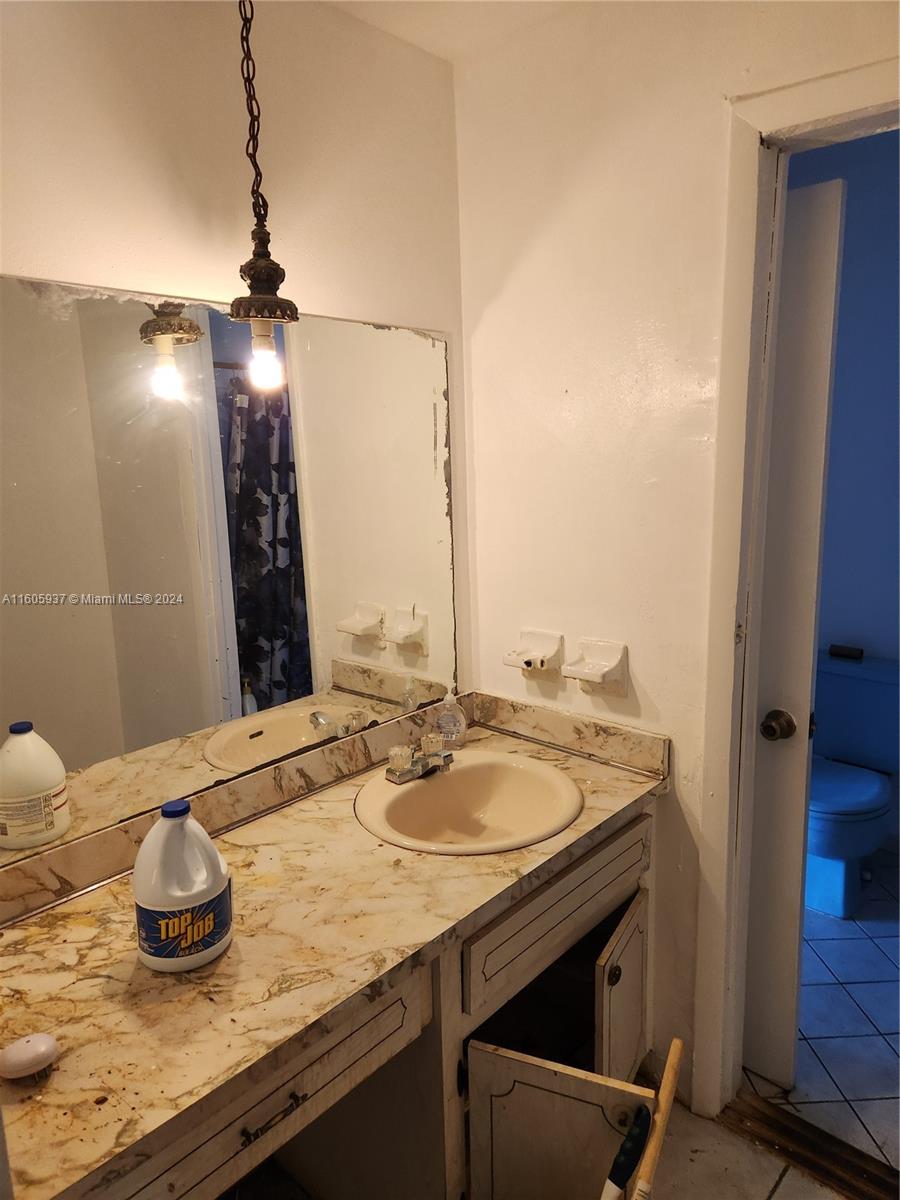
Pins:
<point x="777" y="724"/>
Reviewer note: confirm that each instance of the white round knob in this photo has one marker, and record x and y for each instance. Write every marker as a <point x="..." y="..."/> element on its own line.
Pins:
<point x="31" y="1055"/>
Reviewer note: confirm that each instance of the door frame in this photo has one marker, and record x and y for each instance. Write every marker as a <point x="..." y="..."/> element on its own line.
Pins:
<point x="764" y="130"/>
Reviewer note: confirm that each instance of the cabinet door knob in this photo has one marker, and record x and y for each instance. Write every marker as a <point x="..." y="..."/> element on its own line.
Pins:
<point x="777" y="724"/>
<point x="615" y="974"/>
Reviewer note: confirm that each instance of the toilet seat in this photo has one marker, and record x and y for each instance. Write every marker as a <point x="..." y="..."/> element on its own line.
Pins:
<point x="843" y="793"/>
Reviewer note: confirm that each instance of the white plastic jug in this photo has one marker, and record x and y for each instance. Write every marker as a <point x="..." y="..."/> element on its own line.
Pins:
<point x="182" y="894"/>
<point x="34" y="801"/>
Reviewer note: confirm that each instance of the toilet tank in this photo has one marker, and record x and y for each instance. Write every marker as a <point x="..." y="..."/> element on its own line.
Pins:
<point x="858" y="711"/>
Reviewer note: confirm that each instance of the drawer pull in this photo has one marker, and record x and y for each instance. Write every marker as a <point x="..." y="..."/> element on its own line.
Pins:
<point x="249" y="1136"/>
<point x="615" y="974"/>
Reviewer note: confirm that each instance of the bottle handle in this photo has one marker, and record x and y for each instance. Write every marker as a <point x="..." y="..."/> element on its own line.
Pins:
<point x="211" y="857"/>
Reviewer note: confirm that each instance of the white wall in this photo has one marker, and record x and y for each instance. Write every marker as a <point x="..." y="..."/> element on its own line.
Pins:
<point x="98" y="496"/>
<point x="56" y="661"/>
<point x="592" y="161"/>
<point x="369" y="412"/>
<point x="123" y="129"/>
<point x="148" y="501"/>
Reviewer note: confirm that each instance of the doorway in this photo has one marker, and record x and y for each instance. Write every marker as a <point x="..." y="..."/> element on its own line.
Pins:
<point x="821" y="978"/>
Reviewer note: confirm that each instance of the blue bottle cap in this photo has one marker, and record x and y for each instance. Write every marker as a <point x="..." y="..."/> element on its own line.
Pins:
<point x="176" y="808"/>
<point x="21" y="727"/>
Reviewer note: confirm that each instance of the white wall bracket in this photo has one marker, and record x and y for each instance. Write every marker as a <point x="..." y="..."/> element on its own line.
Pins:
<point x="409" y="628"/>
<point x="367" y="621"/>
<point x="538" y="650"/>
<point x="600" y="666"/>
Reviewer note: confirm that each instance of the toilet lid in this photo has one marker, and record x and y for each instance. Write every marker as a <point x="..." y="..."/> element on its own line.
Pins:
<point x="844" y="790"/>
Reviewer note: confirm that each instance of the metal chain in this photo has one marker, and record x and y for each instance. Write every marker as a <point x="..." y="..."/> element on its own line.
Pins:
<point x="248" y="74"/>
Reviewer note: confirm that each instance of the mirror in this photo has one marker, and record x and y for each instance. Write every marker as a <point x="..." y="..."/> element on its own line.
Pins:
<point x="195" y="586"/>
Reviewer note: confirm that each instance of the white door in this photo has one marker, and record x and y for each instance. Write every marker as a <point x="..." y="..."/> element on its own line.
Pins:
<point x="804" y="353"/>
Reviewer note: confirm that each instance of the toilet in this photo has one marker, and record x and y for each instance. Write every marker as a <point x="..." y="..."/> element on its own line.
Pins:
<point x="853" y="787"/>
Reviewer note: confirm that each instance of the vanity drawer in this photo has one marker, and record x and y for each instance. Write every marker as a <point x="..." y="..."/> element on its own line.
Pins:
<point x="262" y="1117"/>
<point x="501" y="958"/>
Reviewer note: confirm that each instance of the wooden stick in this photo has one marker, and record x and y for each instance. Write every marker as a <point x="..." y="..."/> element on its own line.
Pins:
<point x="650" y="1158"/>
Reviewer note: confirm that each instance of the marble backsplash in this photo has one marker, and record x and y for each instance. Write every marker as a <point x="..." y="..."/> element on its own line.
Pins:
<point x="58" y="872"/>
<point x="618" y="745"/>
<point x="381" y="683"/>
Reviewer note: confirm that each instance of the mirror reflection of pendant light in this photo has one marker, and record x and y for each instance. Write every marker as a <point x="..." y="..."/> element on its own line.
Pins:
<point x="167" y="329"/>
<point x="263" y="308"/>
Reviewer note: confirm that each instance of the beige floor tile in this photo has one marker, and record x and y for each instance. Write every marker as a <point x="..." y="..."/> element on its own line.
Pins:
<point x="813" y="1081"/>
<point x="828" y="1010"/>
<point x="864" y="1068"/>
<point x="764" y="1087"/>
<point x="880" y="1118"/>
<point x="797" y="1186"/>
<point x="838" y="1119"/>
<point x="702" y="1158"/>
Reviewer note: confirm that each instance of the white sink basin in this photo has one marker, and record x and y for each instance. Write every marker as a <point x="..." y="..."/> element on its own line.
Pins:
<point x="486" y="802"/>
<point x="249" y="742"/>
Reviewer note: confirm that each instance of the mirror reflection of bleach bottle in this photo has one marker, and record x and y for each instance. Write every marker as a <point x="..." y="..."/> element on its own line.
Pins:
<point x="182" y="894"/>
<point x="34" y="802"/>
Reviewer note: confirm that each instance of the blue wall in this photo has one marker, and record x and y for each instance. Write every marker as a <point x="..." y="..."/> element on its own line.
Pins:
<point x="860" y="568"/>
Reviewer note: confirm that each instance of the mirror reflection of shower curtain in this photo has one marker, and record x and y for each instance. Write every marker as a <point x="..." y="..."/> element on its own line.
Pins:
<point x="264" y="540"/>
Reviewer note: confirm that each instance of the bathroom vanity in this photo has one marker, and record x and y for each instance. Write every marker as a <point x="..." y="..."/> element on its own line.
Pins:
<point x="393" y="1018"/>
<point x="378" y="1020"/>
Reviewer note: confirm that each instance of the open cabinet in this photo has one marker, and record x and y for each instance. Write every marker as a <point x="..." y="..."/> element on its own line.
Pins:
<point x="549" y="1074"/>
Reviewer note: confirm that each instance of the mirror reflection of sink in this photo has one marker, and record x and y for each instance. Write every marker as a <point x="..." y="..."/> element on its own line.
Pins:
<point x="251" y="741"/>
<point x="486" y="802"/>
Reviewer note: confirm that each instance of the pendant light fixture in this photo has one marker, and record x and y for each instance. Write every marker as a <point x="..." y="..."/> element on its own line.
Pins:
<point x="263" y="308"/>
<point x="167" y="329"/>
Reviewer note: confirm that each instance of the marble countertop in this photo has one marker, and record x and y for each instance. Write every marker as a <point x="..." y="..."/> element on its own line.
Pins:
<point x="322" y="910"/>
<point x="117" y="788"/>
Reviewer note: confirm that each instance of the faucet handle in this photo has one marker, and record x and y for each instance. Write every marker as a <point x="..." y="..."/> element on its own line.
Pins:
<point x="357" y="720"/>
<point x="400" y="758"/>
<point x="432" y="743"/>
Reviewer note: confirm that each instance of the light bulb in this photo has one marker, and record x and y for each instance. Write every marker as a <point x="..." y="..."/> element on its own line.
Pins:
<point x="265" y="367"/>
<point x="166" y="382"/>
<point x="265" y="370"/>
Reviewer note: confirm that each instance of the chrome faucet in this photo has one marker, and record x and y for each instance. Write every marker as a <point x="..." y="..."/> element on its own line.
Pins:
<point x="405" y="764"/>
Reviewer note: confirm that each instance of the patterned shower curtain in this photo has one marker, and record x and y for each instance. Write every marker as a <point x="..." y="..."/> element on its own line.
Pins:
<point x="264" y="538"/>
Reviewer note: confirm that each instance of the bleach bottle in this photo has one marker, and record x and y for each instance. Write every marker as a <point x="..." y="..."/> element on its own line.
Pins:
<point x="182" y="894"/>
<point x="34" y="799"/>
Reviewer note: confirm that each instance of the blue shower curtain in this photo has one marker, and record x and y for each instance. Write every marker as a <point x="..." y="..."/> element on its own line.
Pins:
<point x="264" y="538"/>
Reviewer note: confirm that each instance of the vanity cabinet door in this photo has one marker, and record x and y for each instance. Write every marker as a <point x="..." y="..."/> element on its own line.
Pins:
<point x="500" y="959"/>
<point x="620" y="1025"/>
<point x="540" y="1130"/>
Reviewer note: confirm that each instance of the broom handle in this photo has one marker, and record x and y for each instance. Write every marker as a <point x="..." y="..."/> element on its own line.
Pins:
<point x="650" y="1158"/>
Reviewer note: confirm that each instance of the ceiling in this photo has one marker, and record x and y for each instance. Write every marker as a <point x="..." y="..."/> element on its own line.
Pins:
<point x="452" y="29"/>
